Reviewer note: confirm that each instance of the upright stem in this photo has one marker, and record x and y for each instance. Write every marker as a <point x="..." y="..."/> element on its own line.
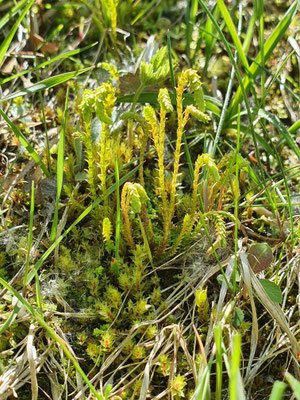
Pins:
<point x="130" y="122"/>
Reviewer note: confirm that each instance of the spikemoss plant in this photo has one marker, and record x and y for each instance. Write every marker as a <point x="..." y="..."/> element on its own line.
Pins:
<point x="137" y="202"/>
<point x="157" y="221"/>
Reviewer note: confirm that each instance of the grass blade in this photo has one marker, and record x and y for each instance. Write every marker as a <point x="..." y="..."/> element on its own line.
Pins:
<point x="13" y="315"/>
<point x="118" y="212"/>
<point x="277" y="390"/>
<point x="274" y="120"/>
<point x="269" y="46"/>
<point x="260" y="17"/>
<point x="226" y="101"/>
<point x="39" y="318"/>
<point x="235" y="388"/>
<point x="7" y="17"/>
<point x="292" y="129"/>
<point x="202" y="391"/>
<point x="218" y="341"/>
<point x="48" y="62"/>
<point x="25" y="143"/>
<point x="210" y="39"/>
<point x="60" y="169"/>
<point x="144" y="11"/>
<point x="249" y="34"/>
<point x="46" y="84"/>
<point x="273" y="308"/>
<point x="233" y="33"/>
<point x="295" y="385"/>
<point x="190" y="23"/>
<point x="30" y="235"/>
<point x="6" y="42"/>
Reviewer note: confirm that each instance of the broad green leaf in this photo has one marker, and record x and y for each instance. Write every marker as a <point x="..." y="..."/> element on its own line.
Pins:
<point x="238" y="317"/>
<point x="272" y="290"/>
<point x="5" y="44"/>
<point x="45" y="84"/>
<point x="23" y="140"/>
<point x="260" y="256"/>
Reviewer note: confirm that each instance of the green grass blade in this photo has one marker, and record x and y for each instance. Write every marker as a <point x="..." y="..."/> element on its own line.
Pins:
<point x="68" y="54"/>
<point x="60" y="169"/>
<point x="38" y="294"/>
<point x="39" y="318"/>
<point x="226" y="102"/>
<point x="236" y="202"/>
<point x="260" y="16"/>
<point x="294" y="384"/>
<point x="190" y="23"/>
<point x="294" y="127"/>
<point x="249" y="34"/>
<point x="25" y="143"/>
<point x="210" y="39"/>
<point x="10" y="320"/>
<point x="234" y="387"/>
<point x="30" y="234"/>
<point x="202" y="391"/>
<point x="144" y="11"/>
<point x="6" y="42"/>
<point x="7" y="17"/>
<point x="110" y="190"/>
<point x="269" y="46"/>
<point x="118" y="212"/>
<point x="218" y="341"/>
<point x="240" y="80"/>
<point x="274" y="120"/>
<point x="277" y="390"/>
<point x="46" y="84"/>
<point x="233" y="33"/>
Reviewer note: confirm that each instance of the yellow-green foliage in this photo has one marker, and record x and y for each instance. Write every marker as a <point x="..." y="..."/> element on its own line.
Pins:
<point x="138" y="353"/>
<point x="202" y="304"/>
<point x="164" y="365"/>
<point x="108" y="340"/>
<point x="100" y="154"/>
<point x="157" y="70"/>
<point x="178" y="386"/>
